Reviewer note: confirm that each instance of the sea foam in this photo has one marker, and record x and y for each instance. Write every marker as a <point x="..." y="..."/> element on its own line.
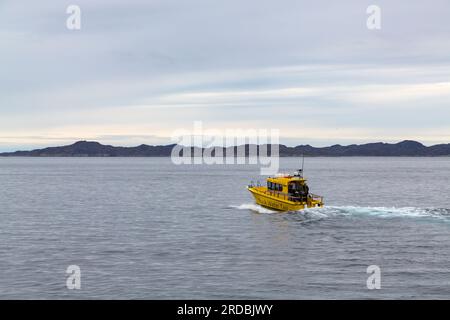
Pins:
<point x="382" y="212"/>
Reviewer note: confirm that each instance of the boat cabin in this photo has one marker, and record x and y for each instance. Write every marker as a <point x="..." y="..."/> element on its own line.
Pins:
<point x="293" y="186"/>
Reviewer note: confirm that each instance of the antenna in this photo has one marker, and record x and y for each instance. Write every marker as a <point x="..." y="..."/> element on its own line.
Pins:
<point x="303" y="162"/>
<point x="300" y="172"/>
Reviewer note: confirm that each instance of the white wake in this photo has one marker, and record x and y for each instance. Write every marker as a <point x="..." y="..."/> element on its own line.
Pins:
<point x="382" y="212"/>
<point x="253" y="207"/>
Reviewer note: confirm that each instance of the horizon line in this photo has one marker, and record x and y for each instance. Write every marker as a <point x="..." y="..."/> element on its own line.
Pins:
<point x="217" y="146"/>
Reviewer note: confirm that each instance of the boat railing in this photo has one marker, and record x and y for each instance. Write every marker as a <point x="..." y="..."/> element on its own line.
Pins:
<point x="316" y="197"/>
<point x="253" y="185"/>
<point x="281" y="195"/>
<point x="289" y="197"/>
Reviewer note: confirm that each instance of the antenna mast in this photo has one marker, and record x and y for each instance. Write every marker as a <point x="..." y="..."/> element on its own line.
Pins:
<point x="303" y="161"/>
<point x="303" y="165"/>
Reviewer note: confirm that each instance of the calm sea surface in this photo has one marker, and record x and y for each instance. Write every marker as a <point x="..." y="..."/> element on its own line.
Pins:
<point x="143" y="228"/>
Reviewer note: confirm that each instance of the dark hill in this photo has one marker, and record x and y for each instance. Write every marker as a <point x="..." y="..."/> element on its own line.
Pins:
<point x="95" y="149"/>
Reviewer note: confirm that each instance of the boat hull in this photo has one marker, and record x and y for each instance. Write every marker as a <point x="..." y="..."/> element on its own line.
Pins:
<point x="280" y="202"/>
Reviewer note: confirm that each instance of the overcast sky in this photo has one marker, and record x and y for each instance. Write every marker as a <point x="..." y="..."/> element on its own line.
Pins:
<point x="138" y="70"/>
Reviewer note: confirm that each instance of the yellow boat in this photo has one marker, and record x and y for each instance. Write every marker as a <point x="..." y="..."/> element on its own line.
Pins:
<point x="285" y="192"/>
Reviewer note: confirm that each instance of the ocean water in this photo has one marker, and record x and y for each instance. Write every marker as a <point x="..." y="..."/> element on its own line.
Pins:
<point x="143" y="228"/>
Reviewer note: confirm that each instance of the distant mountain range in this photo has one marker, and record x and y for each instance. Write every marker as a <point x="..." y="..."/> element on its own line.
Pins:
<point x="96" y="149"/>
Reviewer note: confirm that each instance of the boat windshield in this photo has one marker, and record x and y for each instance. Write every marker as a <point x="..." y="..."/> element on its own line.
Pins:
<point x="298" y="189"/>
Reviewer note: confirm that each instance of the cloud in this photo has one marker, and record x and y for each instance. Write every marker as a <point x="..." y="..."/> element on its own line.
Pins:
<point x="144" y="68"/>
